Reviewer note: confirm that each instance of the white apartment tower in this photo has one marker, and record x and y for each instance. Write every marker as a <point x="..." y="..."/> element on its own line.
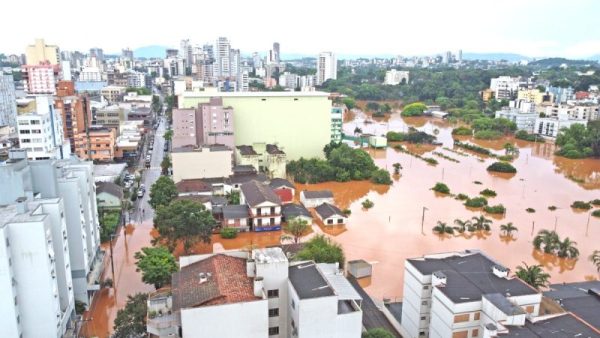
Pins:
<point x="326" y="67"/>
<point x="223" y="59"/>
<point x="41" y="132"/>
<point x="8" y="104"/>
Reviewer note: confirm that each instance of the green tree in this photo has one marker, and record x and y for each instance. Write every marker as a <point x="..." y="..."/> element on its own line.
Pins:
<point x="546" y="241"/>
<point x="462" y="226"/>
<point x="377" y="333"/>
<point x="184" y="220"/>
<point x="168" y="135"/>
<point x="322" y="249"/>
<point x="481" y="223"/>
<point x="131" y="320"/>
<point x="233" y="197"/>
<point x="157" y="265"/>
<point x="349" y="102"/>
<point x="372" y="106"/>
<point x="166" y="164"/>
<point x="508" y="228"/>
<point x="595" y="259"/>
<point x="162" y="192"/>
<point x="566" y="249"/>
<point x="443" y="228"/>
<point x="414" y="109"/>
<point x="533" y="275"/>
<point x="296" y="227"/>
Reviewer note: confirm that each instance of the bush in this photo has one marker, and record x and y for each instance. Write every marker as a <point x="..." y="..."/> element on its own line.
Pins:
<point x="581" y="205"/>
<point x="413" y="136"/>
<point x="502" y="167"/>
<point x="530" y="210"/>
<point x="488" y="135"/>
<point x="347" y="212"/>
<point x="430" y="160"/>
<point x="462" y="131"/>
<point x="381" y="176"/>
<point x="488" y="193"/>
<point x="441" y="188"/>
<point x="414" y="109"/>
<point x="476" y="202"/>
<point x="368" y="204"/>
<point x="523" y="135"/>
<point x="596" y="213"/>
<point x="595" y="202"/>
<point x="473" y="148"/>
<point x="109" y="221"/>
<point x="462" y="197"/>
<point x="495" y="209"/>
<point x="506" y="158"/>
<point x="80" y="307"/>
<point x="229" y="233"/>
<point x="552" y="208"/>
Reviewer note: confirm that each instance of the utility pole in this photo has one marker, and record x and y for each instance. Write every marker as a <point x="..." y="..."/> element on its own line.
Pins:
<point x="112" y="263"/>
<point x="423" y="220"/>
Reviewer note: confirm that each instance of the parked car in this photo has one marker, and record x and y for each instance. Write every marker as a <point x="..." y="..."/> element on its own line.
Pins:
<point x="128" y="184"/>
<point x="140" y="193"/>
<point x="143" y="187"/>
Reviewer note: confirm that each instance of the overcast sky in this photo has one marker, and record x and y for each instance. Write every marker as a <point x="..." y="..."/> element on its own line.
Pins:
<point x="568" y="28"/>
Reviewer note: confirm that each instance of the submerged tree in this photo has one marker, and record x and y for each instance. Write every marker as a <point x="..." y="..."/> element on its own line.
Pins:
<point x="443" y="228"/>
<point x="533" y="275"/>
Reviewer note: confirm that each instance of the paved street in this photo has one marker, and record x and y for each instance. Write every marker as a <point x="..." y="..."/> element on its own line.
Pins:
<point x="99" y="320"/>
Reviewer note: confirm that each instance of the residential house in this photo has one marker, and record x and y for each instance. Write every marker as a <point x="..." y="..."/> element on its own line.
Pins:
<point x="329" y="214"/>
<point x="292" y="210"/>
<point x="245" y="155"/>
<point x="193" y="187"/>
<point x="284" y="189"/>
<point x="312" y="199"/>
<point x="243" y="174"/>
<point x="267" y="158"/>
<point x="264" y="205"/>
<point x="109" y="195"/>
<point x="236" y="216"/>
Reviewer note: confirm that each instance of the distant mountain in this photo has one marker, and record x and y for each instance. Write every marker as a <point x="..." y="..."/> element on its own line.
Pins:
<point x="496" y="56"/>
<point x="150" y="52"/>
<point x="595" y="57"/>
<point x="556" y="62"/>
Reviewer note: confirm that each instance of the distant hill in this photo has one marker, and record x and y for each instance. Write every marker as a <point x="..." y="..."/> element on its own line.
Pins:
<point x="495" y="56"/>
<point x="555" y="62"/>
<point x="150" y="52"/>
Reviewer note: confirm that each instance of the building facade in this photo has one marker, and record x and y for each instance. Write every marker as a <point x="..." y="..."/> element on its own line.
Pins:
<point x="337" y="120"/>
<point x="40" y="78"/>
<point x="395" y="77"/>
<point x="203" y="162"/>
<point x="75" y="112"/>
<point x="40" y="52"/>
<point x="326" y="67"/>
<point x="98" y="144"/>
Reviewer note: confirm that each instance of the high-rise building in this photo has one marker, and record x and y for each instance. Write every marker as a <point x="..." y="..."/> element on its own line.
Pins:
<point x="209" y="123"/>
<point x="41" y="132"/>
<point x="276" y="52"/>
<point x="40" y="52"/>
<point x="222" y="58"/>
<point x="98" y="53"/>
<point x="40" y="78"/>
<point x="75" y="111"/>
<point x="72" y="182"/>
<point x="127" y="54"/>
<point x="8" y="104"/>
<point x="185" y="50"/>
<point x="460" y="56"/>
<point x="326" y="67"/>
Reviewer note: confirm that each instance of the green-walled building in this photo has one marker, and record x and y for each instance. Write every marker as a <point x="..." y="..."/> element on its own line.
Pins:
<point x="298" y="122"/>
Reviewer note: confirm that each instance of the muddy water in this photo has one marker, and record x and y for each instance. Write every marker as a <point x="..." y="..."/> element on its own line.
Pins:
<point x="391" y="231"/>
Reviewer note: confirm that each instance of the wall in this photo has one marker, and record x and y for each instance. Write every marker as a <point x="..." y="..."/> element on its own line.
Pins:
<point x="248" y="320"/>
<point x="314" y="202"/>
<point x="201" y="164"/>
<point x="8" y="290"/>
<point x="275" y="276"/>
<point x="317" y="317"/>
<point x="335" y="219"/>
<point x="277" y="119"/>
<point x="348" y="325"/>
<point x="417" y="288"/>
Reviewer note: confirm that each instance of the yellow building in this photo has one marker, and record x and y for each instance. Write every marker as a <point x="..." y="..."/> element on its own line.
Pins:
<point x="535" y="96"/>
<point x="40" y="52"/>
<point x="487" y="94"/>
<point x="299" y="123"/>
<point x="206" y="162"/>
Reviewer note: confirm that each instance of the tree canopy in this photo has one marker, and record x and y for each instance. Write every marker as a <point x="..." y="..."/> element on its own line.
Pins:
<point x="296" y="227"/>
<point x="184" y="220"/>
<point x="162" y="192"/>
<point x="131" y="320"/>
<point x="156" y="264"/>
<point x="414" y="109"/>
<point x="377" y="333"/>
<point x="579" y="141"/>
<point x="322" y="249"/>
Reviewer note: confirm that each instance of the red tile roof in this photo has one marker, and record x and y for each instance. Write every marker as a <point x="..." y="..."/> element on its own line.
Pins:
<point x="227" y="283"/>
<point x="193" y="185"/>
<point x="284" y="194"/>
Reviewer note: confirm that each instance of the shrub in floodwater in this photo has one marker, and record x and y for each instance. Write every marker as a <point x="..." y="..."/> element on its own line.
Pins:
<point x="581" y="205"/>
<point x="476" y="202"/>
<point x="228" y="233"/>
<point x="368" y="204"/>
<point x="596" y="213"/>
<point x="495" y="209"/>
<point x="595" y="202"/>
<point x="441" y="188"/>
<point x="530" y="210"/>
<point x="488" y="193"/>
<point x="552" y="208"/>
<point x="502" y="167"/>
<point x="462" y="197"/>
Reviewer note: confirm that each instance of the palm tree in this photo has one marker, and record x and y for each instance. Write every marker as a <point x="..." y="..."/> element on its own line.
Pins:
<point x="442" y="228"/>
<point x="547" y="239"/>
<point x="462" y="225"/>
<point x="508" y="228"/>
<point x="595" y="259"/>
<point x="533" y="275"/>
<point x="481" y="223"/>
<point x="567" y="249"/>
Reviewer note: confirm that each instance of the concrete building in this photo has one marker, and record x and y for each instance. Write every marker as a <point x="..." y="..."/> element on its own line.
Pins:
<point x="337" y="120"/>
<point x="505" y="87"/>
<point x="266" y="158"/>
<point x="41" y="132"/>
<point x="280" y="118"/>
<point x="395" y="77"/>
<point x="113" y="94"/>
<point x="216" y="123"/>
<point x="98" y="144"/>
<point x="40" y="78"/>
<point x="463" y="294"/>
<point x="550" y="126"/>
<point x="588" y="112"/>
<point x="267" y="295"/>
<point x="40" y="52"/>
<point x="75" y="111"/>
<point x="207" y="161"/>
<point x="579" y="298"/>
<point x="312" y="199"/>
<point x="561" y="95"/>
<point x="264" y="206"/>
<point x="109" y="195"/>
<point x="72" y="182"/>
<point x="326" y="67"/>
<point x="109" y="116"/>
<point x="8" y="101"/>
<point x="35" y="284"/>
<point x="329" y="214"/>
<point x="223" y="59"/>
<point x="535" y="96"/>
<point x="521" y="112"/>
<point x="185" y="128"/>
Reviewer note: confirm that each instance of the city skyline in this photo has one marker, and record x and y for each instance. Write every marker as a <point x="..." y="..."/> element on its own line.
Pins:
<point x="532" y="28"/>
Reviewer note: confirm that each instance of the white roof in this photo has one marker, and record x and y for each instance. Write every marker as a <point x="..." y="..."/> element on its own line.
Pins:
<point x="102" y="172"/>
<point x="341" y="286"/>
<point x="254" y="94"/>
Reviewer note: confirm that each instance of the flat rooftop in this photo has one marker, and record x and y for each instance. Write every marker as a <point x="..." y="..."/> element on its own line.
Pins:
<point x="565" y="325"/>
<point x="254" y="94"/>
<point x="582" y="299"/>
<point x="308" y="281"/>
<point x="269" y="255"/>
<point x="470" y="276"/>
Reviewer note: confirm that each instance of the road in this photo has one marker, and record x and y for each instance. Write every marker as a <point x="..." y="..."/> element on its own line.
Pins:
<point x="98" y="321"/>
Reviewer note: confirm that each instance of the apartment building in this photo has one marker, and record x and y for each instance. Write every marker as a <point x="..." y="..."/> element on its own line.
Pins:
<point x="550" y="126"/>
<point x="109" y="116"/>
<point x="40" y="78"/>
<point x="280" y="118"/>
<point x="97" y="145"/>
<point x="268" y="296"/>
<point x="535" y="96"/>
<point x="40" y="52"/>
<point x="207" y="161"/>
<point x="506" y="87"/>
<point x="113" y="94"/>
<point x="75" y="111"/>
<point x="8" y="101"/>
<point x="267" y="158"/>
<point x="41" y="132"/>
<point x="326" y="67"/>
<point x="395" y="77"/>
<point x="72" y="181"/>
<point x="337" y="120"/>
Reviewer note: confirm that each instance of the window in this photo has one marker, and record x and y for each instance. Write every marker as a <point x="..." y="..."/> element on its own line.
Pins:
<point x="422" y="334"/>
<point x="476" y="316"/>
<point x="273" y="293"/>
<point x="274" y="312"/>
<point x="340" y="220"/>
<point x="475" y="333"/>
<point x="293" y="307"/>
<point x="329" y="221"/>
<point x="424" y="302"/>
<point x="460" y="334"/>
<point x="423" y="318"/>
<point x="273" y="330"/>
<point x="461" y="318"/>
<point x="425" y="287"/>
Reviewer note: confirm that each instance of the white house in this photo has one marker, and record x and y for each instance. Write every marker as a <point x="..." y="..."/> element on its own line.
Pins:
<point x="312" y="199"/>
<point x="292" y="210"/>
<point x="329" y="214"/>
<point x="109" y="195"/>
